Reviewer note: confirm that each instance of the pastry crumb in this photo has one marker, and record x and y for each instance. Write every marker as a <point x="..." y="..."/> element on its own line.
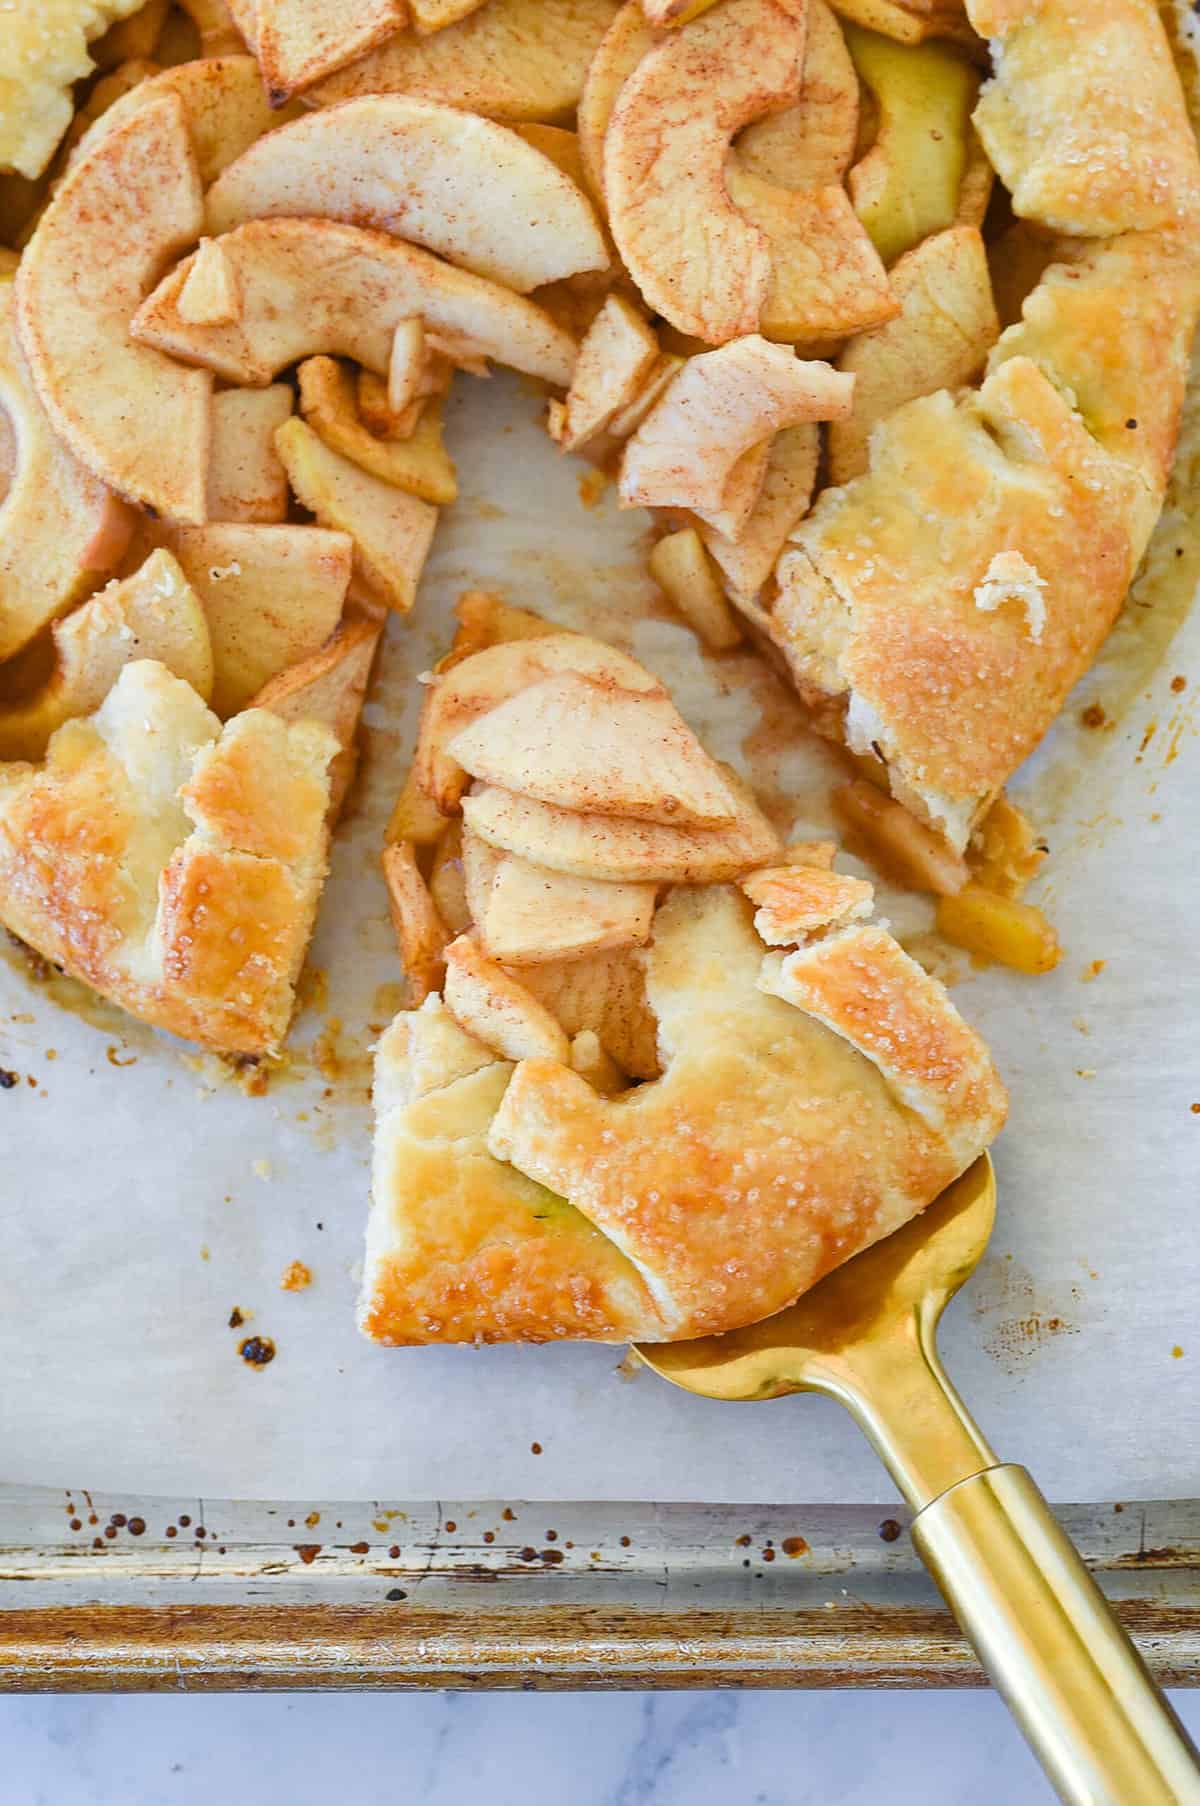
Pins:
<point x="1093" y="970"/>
<point x="296" y="1277"/>
<point x="261" y="1169"/>
<point x="1011" y="578"/>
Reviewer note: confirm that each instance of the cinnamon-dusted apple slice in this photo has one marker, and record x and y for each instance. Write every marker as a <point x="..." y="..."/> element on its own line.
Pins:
<point x="662" y="13"/>
<point x="153" y="614"/>
<point x="619" y="850"/>
<point x="695" y="258"/>
<point x="224" y="107"/>
<point x="582" y="743"/>
<point x="329" y="686"/>
<point x="373" y="393"/>
<point x="316" y="285"/>
<point x="480" y="863"/>
<point x="826" y="278"/>
<point x="131" y="38"/>
<point x="391" y="531"/>
<point x="616" y="357"/>
<point x="721" y="405"/>
<point x="947" y="326"/>
<point x="272" y="596"/>
<point x="459" y="695"/>
<point x="628" y="39"/>
<point x="662" y="374"/>
<point x="435" y="15"/>
<point x="684" y="572"/>
<point x="742" y="490"/>
<point x="420" y="463"/>
<point x="487" y="1002"/>
<point x="406" y="365"/>
<point x="509" y="59"/>
<point x="748" y="559"/>
<point x="421" y="935"/>
<point x="604" y="992"/>
<point x="210" y="296"/>
<point x="138" y="419"/>
<point x="529" y="915"/>
<point x="908" y="22"/>
<point x="909" y="182"/>
<point x="246" y="481"/>
<point x="469" y="189"/>
<point x="811" y="144"/>
<point x="61" y="528"/>
<point x="299" y="42"/>
<point x="214" y="22"/>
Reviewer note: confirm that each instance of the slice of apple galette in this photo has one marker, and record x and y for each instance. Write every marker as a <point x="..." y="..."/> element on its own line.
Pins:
<point x="665" y="1072"/>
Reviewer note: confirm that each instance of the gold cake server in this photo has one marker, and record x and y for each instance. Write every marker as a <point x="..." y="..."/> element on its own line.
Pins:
<point x="867" y="1336"/>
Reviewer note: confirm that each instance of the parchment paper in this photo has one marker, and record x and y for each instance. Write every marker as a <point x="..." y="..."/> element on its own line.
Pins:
<point x="144" y="1195"/>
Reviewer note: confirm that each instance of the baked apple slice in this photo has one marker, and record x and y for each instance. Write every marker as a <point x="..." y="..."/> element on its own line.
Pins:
<point x="748" y="559"/>
<point x="583" y="743"/>
<point x="153" y="614"/>
<point x="720" y="407"/>
<point x="908" y="184"/>
<point x="946" y="327"/>
<point x="137" y="418"/>
<point x="316" y="285"/>
<point x="418" y="463"/>
<point x="272" y="596"/>
<point x="693" y="255"/>
<point x="329" y="686"/>
<point x="61" y="528"/>
<point x="246" y="481"/>
<point x="529" y="915"/>
<point x="618" y="353"/>
<point x="462" y="691"/>
<point x="391" y="531"/>
<point x="469" y="189"/>
<point x="618" y="850"/>
<point x="299" y="42"/>
<point x="224" y="107"/>
<point x="508" y="59"/>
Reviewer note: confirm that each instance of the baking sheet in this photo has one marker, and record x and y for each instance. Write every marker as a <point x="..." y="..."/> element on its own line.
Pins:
<point x="144" y="1195"/>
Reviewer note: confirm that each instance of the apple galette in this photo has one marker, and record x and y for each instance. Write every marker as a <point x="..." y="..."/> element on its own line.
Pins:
<point x="881" y="309"/>
<point x="666" y="1071"/>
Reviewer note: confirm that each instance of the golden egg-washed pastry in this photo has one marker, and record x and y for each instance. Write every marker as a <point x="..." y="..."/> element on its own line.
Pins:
<point x="43" y="50"/>
<point x="937" y="609"/>
<point x="171" y="863"/>
<point x="1084" y="119"/>
<point x="620" y="1109"/>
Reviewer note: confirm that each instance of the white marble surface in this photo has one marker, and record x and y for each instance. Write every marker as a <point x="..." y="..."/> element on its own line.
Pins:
<point x="672" y="1749"/>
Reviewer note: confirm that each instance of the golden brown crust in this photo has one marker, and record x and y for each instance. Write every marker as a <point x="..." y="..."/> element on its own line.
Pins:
<point x="863" y="986"/>
<point x="939" y="607"/>
<point x="461" y="1247"/>
<point x="1112" y="327"/>
<point x="771" y="1149"/>
<point x="884" y="598"/>
<point x="172" y="866"/>
<point x="1084" y="120"/>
